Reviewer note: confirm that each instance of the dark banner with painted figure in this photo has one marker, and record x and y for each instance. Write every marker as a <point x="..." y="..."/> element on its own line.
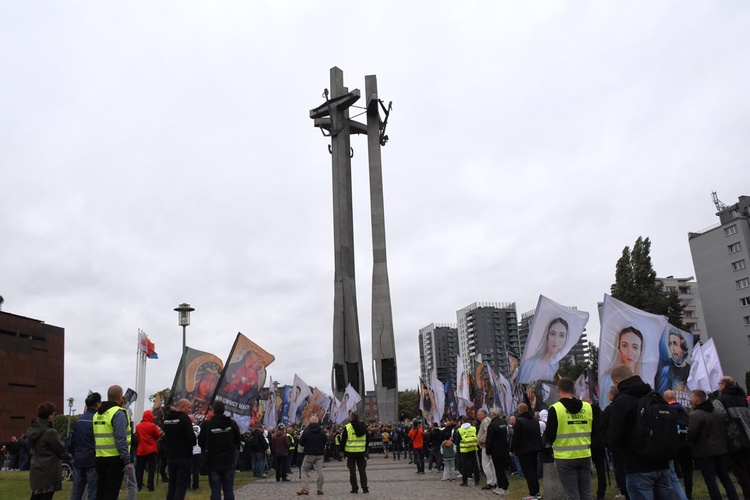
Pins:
<point x="675" y="357"/>
<point x="630" y="337"/>
<point x="554" y="331"/>
<point x="242" y="379"/>
<point x="198" y="382"/>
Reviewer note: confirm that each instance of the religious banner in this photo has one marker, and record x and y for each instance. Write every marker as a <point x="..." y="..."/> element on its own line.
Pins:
<point x="502" y="393"/>
<point x="481" y="383"/>
<point x="438" y="398"/>
<point x="349" y="402"/>
<point x="555" y="329"/>
<point x="242" y="379"/>
<point x="451" y="404"/>
<point x="317" y="404"/>
<point x="675" y="354"/>
<point x="628" y="337"/>
<point x="333" y="413"/>
<point x="425" y="400"/>
<point x="300" y="392"/>
<point x="269" y="418"/>
<point x="198" y="382"/>
<point x="583" y="386"/>
<point x="463" y="396"/>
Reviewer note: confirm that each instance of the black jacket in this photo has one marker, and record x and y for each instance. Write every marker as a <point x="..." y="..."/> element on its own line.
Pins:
<point x="220" y="436"/>
<point x="527" y="436"/>
<point x="313" y="440"/>
<point x="497" y="438"/>
<point x="733" y="397"/>
<point x="179" y="436"/>
<point x="622" y="420"/>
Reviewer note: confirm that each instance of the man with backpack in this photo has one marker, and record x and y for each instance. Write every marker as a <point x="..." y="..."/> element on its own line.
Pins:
<point x="644" y="430"/>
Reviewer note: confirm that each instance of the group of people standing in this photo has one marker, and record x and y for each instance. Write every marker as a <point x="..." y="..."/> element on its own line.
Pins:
<point x="107" y="450"/>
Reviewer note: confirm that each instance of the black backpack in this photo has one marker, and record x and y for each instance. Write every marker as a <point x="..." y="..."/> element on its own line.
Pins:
<point x="655" y="436"/>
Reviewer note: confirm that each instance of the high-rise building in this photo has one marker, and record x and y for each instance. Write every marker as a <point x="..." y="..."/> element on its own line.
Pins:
<point x="32" y="362"/>
<point x="438" y="348"/>
<point x="488" y="329"/>
<point x="720" y="259"/>
<point x="687" y="291"/>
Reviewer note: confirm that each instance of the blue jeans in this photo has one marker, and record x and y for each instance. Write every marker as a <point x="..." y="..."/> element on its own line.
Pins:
<point x="259" y="463"/>
<point x="179" y="477"/>
<point x="221" y="478"/>
<point x="677" y="489"/>
<point x="84" y="477"/>
<point x="649" y="485"/>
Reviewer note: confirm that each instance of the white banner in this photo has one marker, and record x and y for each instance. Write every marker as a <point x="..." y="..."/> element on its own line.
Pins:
<point x="554" y="331"/>
<point x="628" y="337"/>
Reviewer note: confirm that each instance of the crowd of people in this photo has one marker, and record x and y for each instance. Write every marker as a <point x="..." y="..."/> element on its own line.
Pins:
<point x="572" y="435"/>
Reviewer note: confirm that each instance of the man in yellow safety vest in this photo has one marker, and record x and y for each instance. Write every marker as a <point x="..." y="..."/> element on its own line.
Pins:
<point x="112" y="429"/>
<point x="569" y="425"/>
<point x="354" y="441"/>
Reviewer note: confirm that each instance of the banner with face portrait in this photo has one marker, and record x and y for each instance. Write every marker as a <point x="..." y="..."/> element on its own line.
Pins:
<point x="242" y="379"/>
<point x="463" y="394"/>
<point x="451" y="405"/>
<point x="269" y="419"/>
<point x="583" y="386"/>
<point x="297" y="400"/>
<point x="554" y="331"/>
<point x="317" y="404"/>
<point x="425" y="400"/>
<point x="675" y="355"/>
<point x="628" y="337"/>
<point x="438" y="398"/>
<point x="197" y="382"/>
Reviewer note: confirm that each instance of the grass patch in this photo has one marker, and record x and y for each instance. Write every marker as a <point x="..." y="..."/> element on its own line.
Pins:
<point x="16" y="485"/>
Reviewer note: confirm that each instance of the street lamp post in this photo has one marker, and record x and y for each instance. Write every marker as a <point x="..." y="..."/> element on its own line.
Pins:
<point x="70" y="413"/>
<point x="183" y="319"/>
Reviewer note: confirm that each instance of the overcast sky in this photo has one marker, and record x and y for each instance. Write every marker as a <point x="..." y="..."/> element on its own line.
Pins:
<point x="159" y="153"/>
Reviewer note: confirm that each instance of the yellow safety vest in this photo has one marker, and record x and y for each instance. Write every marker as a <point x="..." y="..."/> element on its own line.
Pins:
<point x="573" y="438"/>
<point x="354" y="444"/>
<point x="468" y="439"/>
<point x="104" y="434"/>
<point x="291" y="441"/>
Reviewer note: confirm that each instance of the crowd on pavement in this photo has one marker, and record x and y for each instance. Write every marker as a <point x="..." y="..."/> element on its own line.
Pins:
<point x="573" y="436"/>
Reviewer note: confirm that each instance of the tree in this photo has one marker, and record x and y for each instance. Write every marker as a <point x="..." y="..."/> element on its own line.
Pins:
<point x="635" y="284"/>
<point x="593" y="357"/>
<point x="408" y="404"/>
<point x="162" y="394"/>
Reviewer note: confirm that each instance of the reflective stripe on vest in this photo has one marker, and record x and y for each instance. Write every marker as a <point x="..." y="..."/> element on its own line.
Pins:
<point x="104" y="435"/>
<point x="354" y="444"/>
<point x="468" y="439"/>
<point x="291" y="441"/>
<point x="573" y="432"/>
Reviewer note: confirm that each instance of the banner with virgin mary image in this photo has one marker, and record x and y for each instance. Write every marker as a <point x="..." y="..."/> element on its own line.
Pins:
<point x="554" y="331"/>
<point x="243" y="378"/>
<point x="675" y="358"/>
<point x="628" y="337"/>
<point x="197" y="382"/>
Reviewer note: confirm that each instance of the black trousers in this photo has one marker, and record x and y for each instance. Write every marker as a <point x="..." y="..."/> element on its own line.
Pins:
<point x="357" y="463"/>
<point x="470" y="466"/>
<point x="528" y="466"/>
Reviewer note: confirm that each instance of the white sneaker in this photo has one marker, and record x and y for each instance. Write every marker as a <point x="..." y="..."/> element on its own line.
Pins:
<point x="500" y="491"/>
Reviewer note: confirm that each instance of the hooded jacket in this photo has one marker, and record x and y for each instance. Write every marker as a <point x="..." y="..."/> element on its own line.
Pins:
<point x="148" y="435"/>
<point x="220" y="436"/>
<point x="573" y="405"/>
<point x="497" y="438"/>
<point x="46" y="459"/>
<point x="179" y="436"/>
<point x="707" y="431"/>
<point x="527" y="436"/>
<point x="622" y="420"/>
<point x="313" y="440"/>
<point x="360" y="429"/>
<point x="120" y="424"/>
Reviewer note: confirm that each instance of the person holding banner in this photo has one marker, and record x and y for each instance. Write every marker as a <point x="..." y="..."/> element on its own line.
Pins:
<point x="541" y="366"/>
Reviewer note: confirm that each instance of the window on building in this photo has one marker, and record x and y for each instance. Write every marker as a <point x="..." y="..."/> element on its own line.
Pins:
<point x="686" y="290"/>
<point x="747" y="320"/>
<point x="733" y="214"/>
<point x="739" y="265"/>
<point x="729" y="231"/>
<point x="735" y="247"/>
<point x="743" y="283"/>
<point x="745" y="301"/>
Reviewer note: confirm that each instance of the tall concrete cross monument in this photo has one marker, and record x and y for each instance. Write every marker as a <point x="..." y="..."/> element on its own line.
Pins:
<point x="333" y="116"/>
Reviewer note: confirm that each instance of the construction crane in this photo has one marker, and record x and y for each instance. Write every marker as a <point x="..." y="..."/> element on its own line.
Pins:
<point x="719" y="205"/>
